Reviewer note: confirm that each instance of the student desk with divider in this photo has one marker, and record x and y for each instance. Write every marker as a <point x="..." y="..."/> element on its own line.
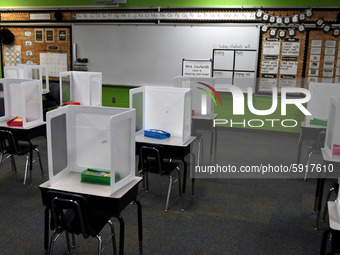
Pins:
<point x="27" y="134"/>
<point x="173" y="148"/>
<point x="100" y="199"/>
<point x="321" y="181"/>
<point x="308" y="131"/>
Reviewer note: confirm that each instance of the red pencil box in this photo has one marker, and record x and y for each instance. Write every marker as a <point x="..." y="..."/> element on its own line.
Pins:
<point x="15" y="122"/>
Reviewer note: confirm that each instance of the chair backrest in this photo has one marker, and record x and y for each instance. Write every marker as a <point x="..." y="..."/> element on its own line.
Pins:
<point x="69" y="213"/>
<point x="8" y="142"/>
<point x="54" y="94"/>
<point x="151" y="159"/>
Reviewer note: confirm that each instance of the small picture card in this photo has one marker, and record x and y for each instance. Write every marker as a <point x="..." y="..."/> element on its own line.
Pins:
<point x="313" y="72"/>
<point x="316" y="51"/>
<point x="314" y="58"/>
<point x="316" y="43"/>
<point x="28" y="33"/>
<point x="329" y="58"/>
<point x="314" y="65"/>
<point x="328" y="65"/>
<point x="330" y="43"/>
<point x="327" y="73"/>
<point x="329" y="51"/>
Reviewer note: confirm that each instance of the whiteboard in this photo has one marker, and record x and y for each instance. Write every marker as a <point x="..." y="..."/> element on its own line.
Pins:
<point x="224" y="59"/>
<point x="245" y="60"/>
<point x="152" y="54"/>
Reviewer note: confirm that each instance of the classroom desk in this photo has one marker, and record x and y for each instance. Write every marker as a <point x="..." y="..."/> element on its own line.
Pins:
<point x="321" y="182"/>
<point x="206" y="122"/>
<point x="27" y="134"/>
<point x="173" y="148"/>
<point x="98" y="197"/>
<point x="308" y="131"/>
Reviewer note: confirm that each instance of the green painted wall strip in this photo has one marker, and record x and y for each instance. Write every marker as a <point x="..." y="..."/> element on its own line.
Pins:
<point x="175" y="3"/>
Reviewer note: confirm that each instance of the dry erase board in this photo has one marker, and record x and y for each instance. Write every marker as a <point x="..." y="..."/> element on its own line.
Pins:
<point x="152" y="54"/>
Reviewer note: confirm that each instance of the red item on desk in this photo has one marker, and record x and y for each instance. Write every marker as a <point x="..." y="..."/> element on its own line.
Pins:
<point x="15" y="122"/>
<point x="71" y="103"/>
<point x="336" y="149"/>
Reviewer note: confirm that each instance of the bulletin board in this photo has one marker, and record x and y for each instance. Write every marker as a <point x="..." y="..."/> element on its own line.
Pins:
<point x="281" y="62"/>
<point x="323" y="58"/>
<point x="31" y="42"/>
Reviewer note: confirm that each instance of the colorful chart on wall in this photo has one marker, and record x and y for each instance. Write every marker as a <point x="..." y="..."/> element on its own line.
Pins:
<point x="12" y="55"/>
<point x="55" y="60"/>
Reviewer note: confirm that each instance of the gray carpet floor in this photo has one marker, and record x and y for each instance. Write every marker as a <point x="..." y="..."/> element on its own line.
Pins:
<point x="227" y="216"/>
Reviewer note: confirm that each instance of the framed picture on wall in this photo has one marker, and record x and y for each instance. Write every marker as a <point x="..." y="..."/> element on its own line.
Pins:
<point x="49" y="35"/>
<point x="62" y="35"/>
<point x="39" y="35"/>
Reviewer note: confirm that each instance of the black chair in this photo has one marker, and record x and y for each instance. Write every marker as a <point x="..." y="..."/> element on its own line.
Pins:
<point x="315" y="148"/>
<point x="152" y="161"/>
<point x="52" y="98"/>
<point x="71" y="214"/>
<point x="10" y="145"/>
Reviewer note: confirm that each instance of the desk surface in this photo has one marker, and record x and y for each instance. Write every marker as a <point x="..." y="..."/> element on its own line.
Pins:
<point x="210" y="116"/>
<point x="308" y="125"/>
<point x="171" y="141"/>
<point x="326" y="157"/>
<point x="4" y="124"/>
<point x="71" y="183"/>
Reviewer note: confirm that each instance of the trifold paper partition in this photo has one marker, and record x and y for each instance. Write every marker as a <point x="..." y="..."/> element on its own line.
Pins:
<point x="332" y="141"/>
<point x="100" y="138"/>
<point x="82" y="87"/>
<point x="202" y="93"/>
<point x="31" y="72"/>
<point x="163" y="108"/>
<point x="22" y="98"/>
<point x="318" y="105"/>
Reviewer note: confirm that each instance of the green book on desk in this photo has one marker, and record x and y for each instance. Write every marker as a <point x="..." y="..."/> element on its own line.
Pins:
<point x="98" y="176"/>
<point x="319" y="122"/>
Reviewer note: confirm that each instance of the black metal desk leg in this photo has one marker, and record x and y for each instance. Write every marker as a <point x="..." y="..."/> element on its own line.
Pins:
<point x="140" y="226"/>
<point x="322" y="184"/>
<point x="31" y="161"/>
<point x="299" y="151"/>
<point x="46" y="229"/>
<point x="121" y="235"/>
<point x="185" y="176"/>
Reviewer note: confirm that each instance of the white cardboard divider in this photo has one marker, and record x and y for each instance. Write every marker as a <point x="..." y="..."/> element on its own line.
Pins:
<point x="318" y="105"/>
<point x="202" y="101"/>
<point x="101" y="138"/>
<point x="332" y="141"/>
<point x="85" y="87"/>
<point x="163" y="108"/>
<point x="31" y="72"/>
<point x="22" y="98"/>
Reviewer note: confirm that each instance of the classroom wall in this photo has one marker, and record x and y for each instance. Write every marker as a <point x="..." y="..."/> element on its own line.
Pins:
<point x="118" y="96"/>
<point x="174" y="3"/>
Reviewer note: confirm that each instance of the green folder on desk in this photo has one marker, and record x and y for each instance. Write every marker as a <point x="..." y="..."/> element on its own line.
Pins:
<point x="318" y="122"/>
<point x="98" y="176"/>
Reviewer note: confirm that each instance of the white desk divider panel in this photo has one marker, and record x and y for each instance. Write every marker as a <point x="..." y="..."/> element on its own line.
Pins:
<point x="318" y="105"/>
<point x="201" y="94"/>
<point x="84" y="87"/>
<point x="22" y="98"/>
<point x="31" y="72"/>
<point x="332" y="141"/>
<point x="163" y="108"/>
<point x="101" y="138"/>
